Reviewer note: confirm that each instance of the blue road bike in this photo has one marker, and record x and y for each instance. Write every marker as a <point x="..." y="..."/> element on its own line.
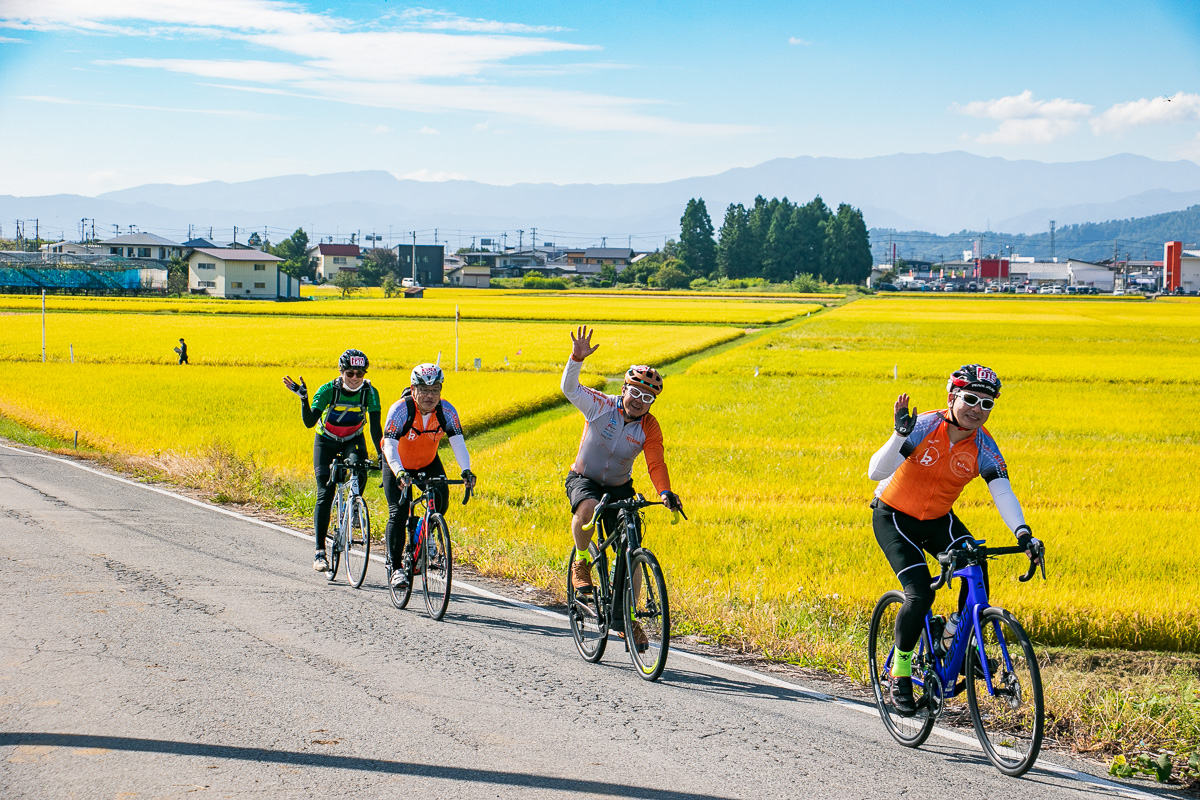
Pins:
<point x="990" y="657"/>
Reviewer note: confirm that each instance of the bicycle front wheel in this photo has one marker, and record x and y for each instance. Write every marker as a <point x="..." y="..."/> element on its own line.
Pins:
<point x="589" y="623"/>
<point x="358" y="542"/>
<point x="911" y="731"/>
<point x="437" y="566"/>
<point x="1005" y="696"/>
<point x="647" y="615"/>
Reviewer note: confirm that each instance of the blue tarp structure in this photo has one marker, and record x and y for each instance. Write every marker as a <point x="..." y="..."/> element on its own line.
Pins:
<point x="33" y="272"/>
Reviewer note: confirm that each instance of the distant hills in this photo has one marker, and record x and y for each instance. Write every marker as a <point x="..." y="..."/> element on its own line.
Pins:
<point x="1140" y="238"/>
<point x="936" y="193"/>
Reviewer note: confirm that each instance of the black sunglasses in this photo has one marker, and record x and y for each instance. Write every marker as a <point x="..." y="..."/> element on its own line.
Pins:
<point x="354" y="373"/>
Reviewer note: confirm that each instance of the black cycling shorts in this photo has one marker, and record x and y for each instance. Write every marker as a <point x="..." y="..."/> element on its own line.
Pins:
<point x="580" y="488"/>
<point x="905" y="540"/>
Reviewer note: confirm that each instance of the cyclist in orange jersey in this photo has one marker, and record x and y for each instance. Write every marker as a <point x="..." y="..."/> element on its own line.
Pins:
<point x="922" y="469"/>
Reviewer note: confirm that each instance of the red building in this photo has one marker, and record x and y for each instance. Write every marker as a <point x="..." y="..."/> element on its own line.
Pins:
<point x="1172" y="266"/>
<point x="991" y="267"/>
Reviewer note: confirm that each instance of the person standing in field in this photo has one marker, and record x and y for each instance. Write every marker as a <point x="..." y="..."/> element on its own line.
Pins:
<point x="416" y="423"/>
<point x="182" y="351"/>
<point x="340" y="410"/>
<point x="922" y="469"/>
<point x="616" y="429"/>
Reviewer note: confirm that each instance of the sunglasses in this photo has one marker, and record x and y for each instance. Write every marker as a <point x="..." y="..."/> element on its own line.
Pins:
<point x="985" y="403"/>
<point x="637" y="394"/>
<point x="423" y="389"/>
<point x="354" y="373"/>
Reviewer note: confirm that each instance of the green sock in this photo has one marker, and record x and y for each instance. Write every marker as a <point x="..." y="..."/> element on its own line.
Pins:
<point x="584" y="555"/>
<point x="902" y="664"/>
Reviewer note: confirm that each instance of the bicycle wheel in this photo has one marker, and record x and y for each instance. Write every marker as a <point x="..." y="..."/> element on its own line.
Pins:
<point x="358" y="542"/>
<point x="401" y="595"/>
<point x="589" y="623"/>
<point x="437" y="566"/>
<point x="881" y="641"/>
<point x="647" y="612"/>
<point x="1008" y="716"/>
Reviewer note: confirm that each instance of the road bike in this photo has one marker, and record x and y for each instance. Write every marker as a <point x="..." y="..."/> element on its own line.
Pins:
<point x="989" y="650"/>
<point x="432" y="554"/>
<point x="630" y="599"/>
<point x="351" y="528"/>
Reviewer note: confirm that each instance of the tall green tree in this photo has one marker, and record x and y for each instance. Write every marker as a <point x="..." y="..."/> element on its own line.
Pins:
<point x="347" y="282"/>
<point x="177" y="276"/>
<point x="697" y="248"/>
<point x="378" y="261"/>
<point x="294" y="252"/>
<point x="810" y="222"/>
<point x="735" y="250"/>
<point x="847" y="248"/>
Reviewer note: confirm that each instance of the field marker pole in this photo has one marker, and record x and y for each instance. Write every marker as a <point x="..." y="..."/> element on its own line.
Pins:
<point x="456" y="338"/>
<point x="43" y="326"/>
<point x="896" y="372"/>
<point x="72" y="348"/>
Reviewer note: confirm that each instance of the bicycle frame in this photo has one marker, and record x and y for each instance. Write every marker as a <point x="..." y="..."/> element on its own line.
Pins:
<point x="623" y="541"/>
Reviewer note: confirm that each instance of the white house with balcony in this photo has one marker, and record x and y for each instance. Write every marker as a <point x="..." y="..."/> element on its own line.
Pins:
<point x="330" y="259"/>
<point x="247" y="274"/>
<point x="142" y="246"/>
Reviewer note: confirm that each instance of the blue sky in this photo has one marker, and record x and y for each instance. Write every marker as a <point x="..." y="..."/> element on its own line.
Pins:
<point x="106" y="94"/>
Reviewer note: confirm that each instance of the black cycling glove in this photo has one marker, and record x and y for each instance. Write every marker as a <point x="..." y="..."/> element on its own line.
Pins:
<point x="906" y="422"/>
<point x="469" y="477"/>
<point x="672" y="501"/>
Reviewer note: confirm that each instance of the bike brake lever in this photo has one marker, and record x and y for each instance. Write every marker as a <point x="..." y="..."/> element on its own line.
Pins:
<point x="467" y="494"/>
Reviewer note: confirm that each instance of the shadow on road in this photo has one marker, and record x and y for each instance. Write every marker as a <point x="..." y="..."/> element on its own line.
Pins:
<point x="264" y="755"/>
<point x="717" y="684"/>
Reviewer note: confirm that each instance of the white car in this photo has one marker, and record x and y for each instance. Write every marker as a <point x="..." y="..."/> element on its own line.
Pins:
<point x="409" y="283"/>
<point x="1045" y="290"/>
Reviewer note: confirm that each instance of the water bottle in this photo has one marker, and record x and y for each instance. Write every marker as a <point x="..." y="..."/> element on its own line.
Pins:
<point x="951" y="629"/>
<point x="937" y="625"/>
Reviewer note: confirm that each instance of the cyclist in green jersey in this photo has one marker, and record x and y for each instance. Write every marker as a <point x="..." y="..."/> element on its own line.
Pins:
<point x="340" y="410"/>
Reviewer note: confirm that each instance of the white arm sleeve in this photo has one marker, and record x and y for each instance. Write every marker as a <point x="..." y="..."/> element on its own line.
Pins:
<point x="1006" y="503"/>
<point x="459" y="445"/>
<point x="887" y="459"/>
<point x="391" y="451"/>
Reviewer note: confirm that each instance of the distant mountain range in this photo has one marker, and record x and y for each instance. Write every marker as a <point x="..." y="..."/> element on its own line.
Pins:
<point x="939" y="193"/>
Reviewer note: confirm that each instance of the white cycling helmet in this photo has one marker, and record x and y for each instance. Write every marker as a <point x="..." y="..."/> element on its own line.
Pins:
<point x="427" y="375"/>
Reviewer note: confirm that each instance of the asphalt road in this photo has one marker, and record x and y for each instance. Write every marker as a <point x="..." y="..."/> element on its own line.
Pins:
<point x="154" y="647"/>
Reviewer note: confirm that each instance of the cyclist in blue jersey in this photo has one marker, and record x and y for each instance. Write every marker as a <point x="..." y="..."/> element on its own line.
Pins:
<point x="340" y="410"/>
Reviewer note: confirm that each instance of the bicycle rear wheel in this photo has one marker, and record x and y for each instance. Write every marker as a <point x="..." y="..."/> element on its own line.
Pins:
<point x="1009" y="719"/>
<point x="589" y="623"/>
<point x="437" y="566"/>
<point x="881" y="642"/>
<point x="358" y="542"/>
<point x="648" y="615"/>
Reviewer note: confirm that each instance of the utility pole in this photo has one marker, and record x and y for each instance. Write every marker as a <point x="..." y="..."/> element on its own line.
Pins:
<point x="1052" y="256"/>
<point x="520" y="240"/>
<point x="533" y="238"/>
<point x="414" y="257"/>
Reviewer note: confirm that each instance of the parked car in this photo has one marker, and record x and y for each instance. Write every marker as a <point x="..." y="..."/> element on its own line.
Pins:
<point x="991" y="290"/>
<point x="887" y="287"/>
<point x="1056" y="290"/>
<point x="1117" y="292"/>
<point x="409" y="283"/>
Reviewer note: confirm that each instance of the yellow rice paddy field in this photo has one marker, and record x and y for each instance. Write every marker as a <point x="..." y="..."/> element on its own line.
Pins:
<point x="1097" y="423"/>
<point x="480" y="305"/>
<point x="154" y="411"/>
<point x="315" y="343"/>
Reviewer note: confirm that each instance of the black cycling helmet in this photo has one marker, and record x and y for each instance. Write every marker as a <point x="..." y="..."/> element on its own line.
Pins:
<point x="353" y="359"/>
<point x="974" y="378"/>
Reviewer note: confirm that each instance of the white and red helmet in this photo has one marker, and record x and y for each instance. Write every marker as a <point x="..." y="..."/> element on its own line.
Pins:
<point x="427" y="375"/>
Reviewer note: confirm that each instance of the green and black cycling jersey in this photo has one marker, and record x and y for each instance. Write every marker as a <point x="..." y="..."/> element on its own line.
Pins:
<point x="341" y="415"/>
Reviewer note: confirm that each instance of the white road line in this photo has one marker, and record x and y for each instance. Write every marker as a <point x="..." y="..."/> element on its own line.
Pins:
<point x="1111" y="788"/>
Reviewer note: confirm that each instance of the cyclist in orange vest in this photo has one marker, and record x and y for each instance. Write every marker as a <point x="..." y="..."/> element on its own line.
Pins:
<point x="922" y="469"/>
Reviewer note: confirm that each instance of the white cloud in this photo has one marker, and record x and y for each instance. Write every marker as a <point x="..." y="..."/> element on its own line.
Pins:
<point x="420" y="67"/>
<point x="1190" y="149"/>
<point x="428" y="131"/>
<point x="1180" y="107"/>
<point x="796" y="40"/>
<point x="11" y="40"/>
<point x="445" y="21"/>
<point x="379" y="130"/>
<point x="220" y="112"/>
<point x="1024" y="120"/>
<point x="480" y="127"/>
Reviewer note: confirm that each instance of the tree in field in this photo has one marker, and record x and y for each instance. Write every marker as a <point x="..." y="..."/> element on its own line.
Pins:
<point x="390" y="287"/>
<point x="671" y="275"/>
<point x="810" y="220"/>
<point x="347" y="281"/>
<point x="378" y="261"/>
<point x="760" y="222"/>
<point x="607" y="275"/>
<point x="293" y="250"/>
<point x="780" y="248"/>
<point x="735" y="250"/>
<point x="697" y="248"/>
<point x="177" y="276"/>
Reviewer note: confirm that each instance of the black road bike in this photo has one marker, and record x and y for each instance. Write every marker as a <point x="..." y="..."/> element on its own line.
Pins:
<point x="630" y="599"/>
<point x="430" y="545"/>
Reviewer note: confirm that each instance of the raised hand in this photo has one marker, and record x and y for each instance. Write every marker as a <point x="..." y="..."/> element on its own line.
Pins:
<point x="581" y="345"/>
<point x="299" y="388"/>
<point x="905" y="422"/>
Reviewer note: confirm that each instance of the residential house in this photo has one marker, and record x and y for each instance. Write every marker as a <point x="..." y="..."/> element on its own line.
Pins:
<point x="430" y="258"/>
<point x="230" y="272"/>
<point x="470" y="276"/>
<point x="71" y="249"/>
<point x="330" y="259"/>
<point x="144" y="246"/>
<point x="619" y="257"/>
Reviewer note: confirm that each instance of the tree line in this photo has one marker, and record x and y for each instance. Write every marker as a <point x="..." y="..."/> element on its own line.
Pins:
<point x="775" y="240"/>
